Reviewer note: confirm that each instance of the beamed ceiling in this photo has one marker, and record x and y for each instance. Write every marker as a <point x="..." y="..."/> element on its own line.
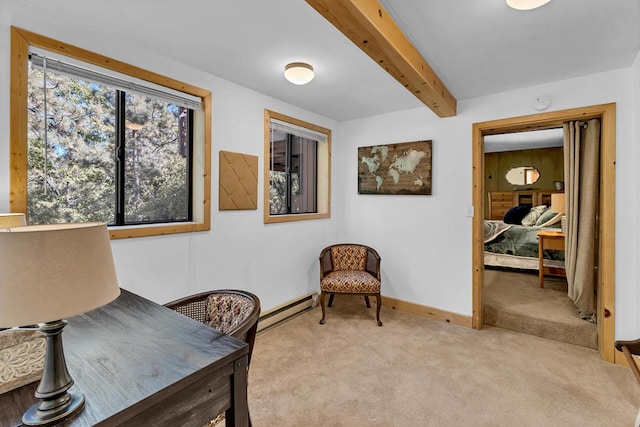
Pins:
<point x="367" y="61"/>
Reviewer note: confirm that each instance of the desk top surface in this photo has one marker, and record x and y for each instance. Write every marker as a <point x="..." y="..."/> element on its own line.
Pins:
<point x="128" y="355"/>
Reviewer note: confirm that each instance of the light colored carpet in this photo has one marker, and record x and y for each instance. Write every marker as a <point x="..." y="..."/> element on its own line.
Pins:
<point x="418" y="372"/>
<point x="514" y="300"/>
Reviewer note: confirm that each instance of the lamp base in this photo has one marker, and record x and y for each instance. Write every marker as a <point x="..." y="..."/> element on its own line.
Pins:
<point x="39" y="417"/>
<point x="56" y="402"/>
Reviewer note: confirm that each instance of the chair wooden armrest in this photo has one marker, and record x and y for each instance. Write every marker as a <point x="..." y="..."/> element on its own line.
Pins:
<point x="630" y="348"/>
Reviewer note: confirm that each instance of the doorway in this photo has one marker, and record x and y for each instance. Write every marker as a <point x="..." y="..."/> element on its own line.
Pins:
<point x="606" y="233"/>
<point x="527" y="169"/>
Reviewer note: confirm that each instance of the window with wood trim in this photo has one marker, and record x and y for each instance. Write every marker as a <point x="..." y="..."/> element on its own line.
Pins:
<point x="297" y="169"/>
<point x="106" y="142"/>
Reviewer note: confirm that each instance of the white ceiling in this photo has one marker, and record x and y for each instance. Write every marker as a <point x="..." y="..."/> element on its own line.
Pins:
<point x="479" y="47"/>
<point x="476" y="47"/>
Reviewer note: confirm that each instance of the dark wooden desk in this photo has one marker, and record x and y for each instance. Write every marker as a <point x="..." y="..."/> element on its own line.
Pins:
<point x="141" y="364"/>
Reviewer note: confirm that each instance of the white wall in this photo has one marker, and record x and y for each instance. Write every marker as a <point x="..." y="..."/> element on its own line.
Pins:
<point x="631" y="304"/>
<point x="278" y="262"/>
<point x="425" y="241"/>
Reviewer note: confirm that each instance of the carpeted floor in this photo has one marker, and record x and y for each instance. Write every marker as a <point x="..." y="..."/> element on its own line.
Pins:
<point x="418" y="372"/>
<point x="514" y="300"/>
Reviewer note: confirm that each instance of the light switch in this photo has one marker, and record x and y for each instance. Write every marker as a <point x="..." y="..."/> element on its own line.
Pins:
<point x="470" y="211"/>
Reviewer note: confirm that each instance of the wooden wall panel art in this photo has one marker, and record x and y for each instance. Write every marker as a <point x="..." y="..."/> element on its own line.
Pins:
<point x="403" y="168"/>
<point x="238" y="181"/>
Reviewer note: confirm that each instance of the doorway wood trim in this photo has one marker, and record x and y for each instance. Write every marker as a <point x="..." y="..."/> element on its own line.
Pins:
<point x="606" y="273"/>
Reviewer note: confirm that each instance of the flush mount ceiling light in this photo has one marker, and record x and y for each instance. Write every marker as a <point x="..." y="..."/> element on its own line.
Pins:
<point x="299" y="73"/>
<point x="526" y="4"/>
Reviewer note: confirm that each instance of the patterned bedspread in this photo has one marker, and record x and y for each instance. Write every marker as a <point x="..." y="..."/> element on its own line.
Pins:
<point x="516" y="240"/>
<point x="493" y="229"/>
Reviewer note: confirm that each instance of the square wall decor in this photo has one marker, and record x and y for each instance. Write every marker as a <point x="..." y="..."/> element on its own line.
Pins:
<point x="238" y="181"/>
<point x="403" y="168"/>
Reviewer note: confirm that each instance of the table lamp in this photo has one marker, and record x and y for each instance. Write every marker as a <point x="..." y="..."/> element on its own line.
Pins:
<point x="558" y="205"/>
<point x="49" y="273"/>
<point x="12" y="220"/>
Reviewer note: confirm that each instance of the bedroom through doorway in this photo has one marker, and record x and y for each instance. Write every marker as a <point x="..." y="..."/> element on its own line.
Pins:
<point x="483" y="281"/>
<point x="523" y="177"/>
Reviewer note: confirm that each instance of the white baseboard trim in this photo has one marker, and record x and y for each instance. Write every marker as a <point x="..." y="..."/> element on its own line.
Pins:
<point x="305" y="302"/>
<point x="287" y="310"/>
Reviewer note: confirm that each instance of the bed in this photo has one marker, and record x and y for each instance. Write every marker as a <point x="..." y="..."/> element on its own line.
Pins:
<point x="516" y="245"/>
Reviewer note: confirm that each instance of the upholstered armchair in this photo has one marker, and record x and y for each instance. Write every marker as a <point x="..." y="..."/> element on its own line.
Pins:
<point x="350" y="269"/>
<point x="230" y="311"/>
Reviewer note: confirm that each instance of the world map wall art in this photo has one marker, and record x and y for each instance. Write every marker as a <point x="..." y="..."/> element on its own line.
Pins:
<point x="403" y="168"/>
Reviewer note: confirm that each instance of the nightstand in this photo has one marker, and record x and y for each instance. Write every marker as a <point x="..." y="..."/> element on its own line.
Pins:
<point x="549" y="240"/>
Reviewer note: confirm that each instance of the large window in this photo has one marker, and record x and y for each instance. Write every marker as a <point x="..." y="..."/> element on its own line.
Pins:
<point x="100" y="152"/>
<point x="103" y="145"/>
<point x="296" y="169"/>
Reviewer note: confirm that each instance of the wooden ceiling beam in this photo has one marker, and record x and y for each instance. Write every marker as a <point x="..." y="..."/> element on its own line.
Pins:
<point x="367" y="24"/>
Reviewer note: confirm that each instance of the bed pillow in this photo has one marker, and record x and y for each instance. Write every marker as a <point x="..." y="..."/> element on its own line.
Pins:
<point x="533" y="215"/>
<point x="516" y="213"/>
<point x="548" y="218"/>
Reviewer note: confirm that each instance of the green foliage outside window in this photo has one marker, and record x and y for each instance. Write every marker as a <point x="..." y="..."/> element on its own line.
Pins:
<point x="72" y="167"/>
<point x="278" y="192"/>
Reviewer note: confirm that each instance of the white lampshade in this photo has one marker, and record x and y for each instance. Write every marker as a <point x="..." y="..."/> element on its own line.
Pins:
<point x="526" y="4"/>
<point x="558" y="203"/>
<point x="12" y="220"/>
<point x="52" y="272"/>
<point x="299" y="73"/>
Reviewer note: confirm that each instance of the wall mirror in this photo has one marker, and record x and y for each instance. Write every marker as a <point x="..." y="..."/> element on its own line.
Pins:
<point x="523" y="175"/>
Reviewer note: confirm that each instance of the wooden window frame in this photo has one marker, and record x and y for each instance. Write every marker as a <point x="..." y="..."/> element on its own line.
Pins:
<point x="20" y="42"/>
<point x="323" y="201"/>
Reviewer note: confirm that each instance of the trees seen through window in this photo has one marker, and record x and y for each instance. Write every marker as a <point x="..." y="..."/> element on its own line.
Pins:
<point x="105" y="155"/>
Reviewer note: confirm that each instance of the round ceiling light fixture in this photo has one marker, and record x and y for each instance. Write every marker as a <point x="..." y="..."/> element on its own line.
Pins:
<point x="526" y="4"/>
<point x="299" y="73"/>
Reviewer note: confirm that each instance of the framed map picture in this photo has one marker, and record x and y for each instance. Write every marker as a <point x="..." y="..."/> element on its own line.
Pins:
<point x="403" y="168"/>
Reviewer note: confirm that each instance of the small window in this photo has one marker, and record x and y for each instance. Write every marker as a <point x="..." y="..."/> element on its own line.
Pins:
<point x="293" y="171"/>
<point x="296" y="169"/>
<point x="106" y="141"/>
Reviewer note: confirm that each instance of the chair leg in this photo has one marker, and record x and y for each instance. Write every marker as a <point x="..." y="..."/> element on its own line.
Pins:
<point x="322" y="305"/>
<point x="378" y="304"/>
<point x="366" y="298"/>
<point x="330" y="300"/>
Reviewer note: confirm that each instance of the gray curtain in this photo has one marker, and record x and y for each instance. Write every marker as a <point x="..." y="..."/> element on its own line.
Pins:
<point x="581" y="172"/>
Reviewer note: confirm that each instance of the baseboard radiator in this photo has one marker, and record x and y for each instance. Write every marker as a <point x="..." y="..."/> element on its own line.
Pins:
<point x="287" y="310"/>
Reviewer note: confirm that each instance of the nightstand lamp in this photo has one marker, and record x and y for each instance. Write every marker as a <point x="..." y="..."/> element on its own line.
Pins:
<point x="49" y="273"/>
<point x="558" y="205"/>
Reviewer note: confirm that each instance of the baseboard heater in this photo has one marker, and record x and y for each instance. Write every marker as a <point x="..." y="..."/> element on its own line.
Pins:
<point x="287" y="310"/>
